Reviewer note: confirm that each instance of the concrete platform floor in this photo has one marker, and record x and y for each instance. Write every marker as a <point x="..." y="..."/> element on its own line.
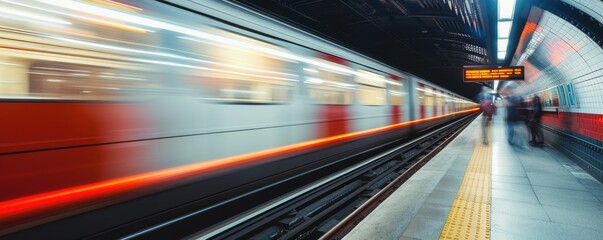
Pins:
<point x="537" y="193"/>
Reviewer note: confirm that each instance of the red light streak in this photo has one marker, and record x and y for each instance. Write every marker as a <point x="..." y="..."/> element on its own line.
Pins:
<point x="333" y="58"/>
<point x="36" y="204"/>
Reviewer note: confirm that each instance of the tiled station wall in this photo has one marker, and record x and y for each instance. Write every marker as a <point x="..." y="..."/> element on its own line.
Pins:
<point x="560" y="57"/>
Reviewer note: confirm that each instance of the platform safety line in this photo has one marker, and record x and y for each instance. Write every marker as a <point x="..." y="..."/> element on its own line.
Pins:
<point x="469" y="216"/>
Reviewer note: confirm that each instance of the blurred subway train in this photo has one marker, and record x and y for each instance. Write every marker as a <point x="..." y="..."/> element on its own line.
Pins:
<point x="102" y="98"/>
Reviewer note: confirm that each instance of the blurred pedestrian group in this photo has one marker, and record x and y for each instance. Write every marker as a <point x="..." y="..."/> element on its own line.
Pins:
<point x="523" y="118"/>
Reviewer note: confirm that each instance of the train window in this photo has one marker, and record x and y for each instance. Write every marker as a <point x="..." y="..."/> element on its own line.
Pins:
<point x="371" y="96"/>
<point x="395" y="94"/>
<point x="371" y="88"/>
<point x="71" y="81"/>
<point x="425" y="96"/>
<point x="12" y="83"/>
<point x="328" y="84"/>
<point x="438" y="97"/>
<point x="242" y="73"/>
<point x="460" y="104"/>
<point x="60" y="80"/>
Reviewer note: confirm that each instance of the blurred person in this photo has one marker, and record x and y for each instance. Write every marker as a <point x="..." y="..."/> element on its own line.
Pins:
<point x="514" y="120"/>
<point x="534" y="123"/>
<point x="522" y="110"/>
<point x="488" y="109"/>
<point x="512" y="115"/>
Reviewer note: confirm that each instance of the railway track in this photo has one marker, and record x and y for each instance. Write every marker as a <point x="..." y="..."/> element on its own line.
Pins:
<point x="324" y="202"/>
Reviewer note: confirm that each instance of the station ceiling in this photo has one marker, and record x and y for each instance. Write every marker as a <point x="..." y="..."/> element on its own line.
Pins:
<point x="432" y="39"/>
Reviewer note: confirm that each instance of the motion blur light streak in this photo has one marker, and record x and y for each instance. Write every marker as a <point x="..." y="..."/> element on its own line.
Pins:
<point x="10" y="64"/>
<point x="321" y="81"/>
<point x="314" y="80"/>
<point x="98" y="45"/>
<point x="210" y="69"/>
<point x="153" y="23"/>
<point x="118" y="77"/>
<point x="83" y="7"/>
<point x="26" y="16"/>
<point x="99" y="11"/>
<point x="119" y="5"/>
<point x="63" y="69"/>
<point x="179" y="57"/>
<point x="436" y="93"/>
<point x="55" y="80"/>
<point x="116" y="25"/>
<point x="230" y="65"/>
<point x="22" y="207"/>
<point x="103" y="22"/>
<point x="375" y="77"/>
<point x="396" y="92"/>
<point x="234" y="47"/>
<point x="13" y="30"/>
<point x="310" y="70"/>
<point x="60" y="75"/>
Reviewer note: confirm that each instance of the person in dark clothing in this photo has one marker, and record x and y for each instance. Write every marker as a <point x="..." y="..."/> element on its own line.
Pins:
<point x="488" y="109"/>
<point x="515" y="123"/>
<point x="535" y="128"/>
<point x="511" y="107"/>
<point x="522" y="110"/>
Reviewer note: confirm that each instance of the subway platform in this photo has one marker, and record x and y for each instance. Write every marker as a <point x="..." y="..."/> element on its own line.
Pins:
<point x="495" y="191"/>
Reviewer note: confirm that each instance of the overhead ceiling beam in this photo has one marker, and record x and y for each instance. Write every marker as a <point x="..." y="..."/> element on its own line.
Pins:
<point x="404" y="17"/>
<point x="450" y="38"/>
<point x="462" y="51"/>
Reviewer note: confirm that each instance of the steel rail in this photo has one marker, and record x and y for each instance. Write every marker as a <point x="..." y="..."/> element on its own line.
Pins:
<point x="348" y="223"/>
<point x="214" y="232"/>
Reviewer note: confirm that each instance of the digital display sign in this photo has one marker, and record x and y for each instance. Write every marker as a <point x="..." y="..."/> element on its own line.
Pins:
<point x="485" y="74"/>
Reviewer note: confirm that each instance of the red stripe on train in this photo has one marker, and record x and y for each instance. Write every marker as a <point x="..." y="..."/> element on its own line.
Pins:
<point x="333" y="58"/>
<point x="42" y="144"/>
<point x="26" y="207"/>
<point x="334" y="120"/>
<point x="395" y="115"/>
<point x="29" y="126"/>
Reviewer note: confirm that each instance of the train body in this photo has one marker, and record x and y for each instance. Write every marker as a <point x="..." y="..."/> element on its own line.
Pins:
<point x="95" y="91"/>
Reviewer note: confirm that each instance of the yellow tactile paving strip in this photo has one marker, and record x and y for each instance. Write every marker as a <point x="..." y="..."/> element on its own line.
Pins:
<point x="469" y="217"/>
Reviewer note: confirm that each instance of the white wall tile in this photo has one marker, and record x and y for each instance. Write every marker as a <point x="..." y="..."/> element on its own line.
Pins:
<point x="581" y="65"/>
